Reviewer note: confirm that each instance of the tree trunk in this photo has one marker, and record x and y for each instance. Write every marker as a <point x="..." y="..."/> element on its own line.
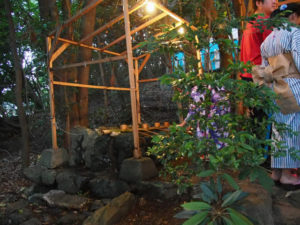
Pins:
<point x="84" y="72"/>
<point x="48" y="10"/>
<point x="18" y="90"/>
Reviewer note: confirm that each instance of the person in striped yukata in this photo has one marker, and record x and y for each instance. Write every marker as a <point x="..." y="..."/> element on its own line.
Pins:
<point x="284" y="41"/>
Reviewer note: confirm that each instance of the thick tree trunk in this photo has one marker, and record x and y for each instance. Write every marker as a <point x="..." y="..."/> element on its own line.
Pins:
<point x="18" y="90"/>
<point x="48" y="10"/>
<point x="84" y="72"/>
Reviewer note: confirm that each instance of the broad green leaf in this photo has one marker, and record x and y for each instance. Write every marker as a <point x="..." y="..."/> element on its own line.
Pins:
<point x="196" y="206"/>
<point x="208" y="192"/>
<point x="235" y="196"/>
<point x="231" y="181"/>
<point x="197" y="219"/>
<point x="238" y="218"/>
<point x="227" y="221"/>
<point x="206" y="173"/>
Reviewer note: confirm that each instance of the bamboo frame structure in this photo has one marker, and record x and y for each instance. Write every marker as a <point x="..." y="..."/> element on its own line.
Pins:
<point x="133" y="62"/>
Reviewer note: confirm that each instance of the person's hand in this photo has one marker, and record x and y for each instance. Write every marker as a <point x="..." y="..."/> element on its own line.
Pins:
<point x="182" y="124"/>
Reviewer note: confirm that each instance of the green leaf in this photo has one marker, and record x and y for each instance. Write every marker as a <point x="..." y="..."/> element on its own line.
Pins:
<point x="238" y="218"/>
<point x="206" y="173"/>
<point x="208" y="191"/>
<point x="227" y="221"/>
<point x="235" y="196"/>
<point x="231" y="181"/>
<point x="197" y="219"/>
<point x="196" y="206"/>
<point x="219" y="185"/>
<point x="248" y="147"/>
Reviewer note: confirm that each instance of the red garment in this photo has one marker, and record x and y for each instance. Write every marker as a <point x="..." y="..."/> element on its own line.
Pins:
<point x="250" y="45"/>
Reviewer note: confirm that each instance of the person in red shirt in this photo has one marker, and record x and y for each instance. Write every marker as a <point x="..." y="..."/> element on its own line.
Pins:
<point x="252" y="36"/>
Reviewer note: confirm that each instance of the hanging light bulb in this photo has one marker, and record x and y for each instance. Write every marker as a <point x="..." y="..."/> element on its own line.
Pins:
<point x="150" y="7"/>
<point x="181" y="30"/>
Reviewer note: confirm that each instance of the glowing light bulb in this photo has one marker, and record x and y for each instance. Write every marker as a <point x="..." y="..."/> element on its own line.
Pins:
<point x="150" y="7"/>
<point x="181" y="30"/>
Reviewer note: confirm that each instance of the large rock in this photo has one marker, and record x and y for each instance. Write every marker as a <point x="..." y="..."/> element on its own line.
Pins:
<point x="105" y="187"/>
<point x="59" y="198"/>
<point x="51" y="158"/>
<point x="112" y="212"/>
<point x="135" y="170"/>
<point x="122" y="148"/>
<point x="258" y="205"/>
<point x="70" y="182"/>
<point x="48" y="176"/>
<point x="34" y="173"/>
<point x="90" y="148"/>
<point x="157" y="189"/>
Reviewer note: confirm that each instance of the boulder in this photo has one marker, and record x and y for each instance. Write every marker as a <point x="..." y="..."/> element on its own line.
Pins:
<point x="105" y="187"/>
<point x="51" y="158"/>
<point x="70" y="182"/>
<point x="112" y="212"/>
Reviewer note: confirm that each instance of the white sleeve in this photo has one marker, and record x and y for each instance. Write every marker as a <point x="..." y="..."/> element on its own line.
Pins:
<point x="295" y="48"/>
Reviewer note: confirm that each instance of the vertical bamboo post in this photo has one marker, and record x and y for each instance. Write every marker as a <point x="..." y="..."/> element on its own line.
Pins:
<point x="136" y="152"/>
<point x="51" y="97"/>
<point x="138" y="105"/>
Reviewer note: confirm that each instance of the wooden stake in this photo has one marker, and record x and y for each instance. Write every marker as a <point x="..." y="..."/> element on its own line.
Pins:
<point x="51" y="97"/>
<point x="136" y="152"/>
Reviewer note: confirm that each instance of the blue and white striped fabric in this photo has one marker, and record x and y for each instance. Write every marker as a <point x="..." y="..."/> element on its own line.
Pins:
<point x="278" y="42"/>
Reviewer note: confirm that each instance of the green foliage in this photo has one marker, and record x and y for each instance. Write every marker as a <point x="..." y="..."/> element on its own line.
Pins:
<point x="240" y="147"/>
<point x="217" y="207"/>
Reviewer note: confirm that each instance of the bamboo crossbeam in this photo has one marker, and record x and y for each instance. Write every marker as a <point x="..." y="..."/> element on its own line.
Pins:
<point x="148" y="80"/>
<point x="83" y="11"/>
<point x="139" y="57"/>
<point x="112" y="22"/>
<point x="109" y="59"/>
<point x="144" y="63"/>
<point x="156" y="35"/>
<point x="85" y="46"/>
<point x="287" y="2"/>
<point x="59" y="51"/>
<point x="153" y="20"/>
<point x="89" y="86"/>
<point x="173" y="15"/>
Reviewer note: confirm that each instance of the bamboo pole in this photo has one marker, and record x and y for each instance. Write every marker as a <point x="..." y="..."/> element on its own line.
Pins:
<point x="89" y="86"/>
<point x="112" y="22"/>
<point x="109" y="59"/>
<point x="59" y="51"/>
<point x="83" y="11"/>
<point x="287" y="2"/>
<point x="51" y="97"/>
<point x="136" y="152"/>
<point x="173" y="15"/>
<point x="141" y="27"/>
<point x="144" y="63"/>
<point x="85" y="46"/>
<point x="137" y="86"/>
<point x="148" y="80"/>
